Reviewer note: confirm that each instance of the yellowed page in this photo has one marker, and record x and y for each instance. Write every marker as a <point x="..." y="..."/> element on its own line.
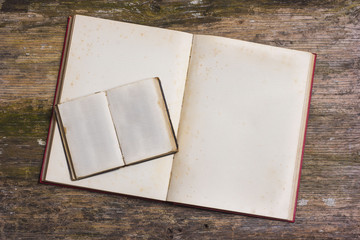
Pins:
<point x="240" y="126"/>
<point x="104" y="54"/>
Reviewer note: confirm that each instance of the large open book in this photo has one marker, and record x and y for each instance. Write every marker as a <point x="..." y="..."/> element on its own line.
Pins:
<point x="238" y="109"/>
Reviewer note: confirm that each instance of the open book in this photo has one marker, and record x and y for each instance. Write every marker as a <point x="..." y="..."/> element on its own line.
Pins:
<point x="238" y="109"/>
<point x="115" y="128"/>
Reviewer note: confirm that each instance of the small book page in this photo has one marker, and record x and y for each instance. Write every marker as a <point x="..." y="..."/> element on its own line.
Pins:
<point x="141" y="120"/>
<point x="89" y="135"/>
<point x="241" y="127"/>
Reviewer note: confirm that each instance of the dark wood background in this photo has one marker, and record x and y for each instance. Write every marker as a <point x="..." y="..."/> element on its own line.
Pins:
<point x="31" y="41"/>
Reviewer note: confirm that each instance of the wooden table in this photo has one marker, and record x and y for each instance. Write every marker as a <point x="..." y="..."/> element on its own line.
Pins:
<point x="31" y="41"/>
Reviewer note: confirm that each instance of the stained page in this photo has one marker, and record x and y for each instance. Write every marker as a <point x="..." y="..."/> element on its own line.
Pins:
<point x="241" y="126"/>
<point x="141" y="120"/>
<point x="104" y="54"/>
<point x="90" y="135"/>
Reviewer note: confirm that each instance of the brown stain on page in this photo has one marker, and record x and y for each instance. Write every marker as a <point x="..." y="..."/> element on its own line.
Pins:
<point x="216" y="51"/>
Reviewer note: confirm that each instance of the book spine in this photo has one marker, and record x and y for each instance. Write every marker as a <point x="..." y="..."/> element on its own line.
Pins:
<point x="46" y="152"/>
<point x="306" y="125"/>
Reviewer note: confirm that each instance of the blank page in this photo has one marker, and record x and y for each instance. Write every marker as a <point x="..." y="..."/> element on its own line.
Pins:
<point x="104" y="54"/>
<point x="241" y="126"/>
<point x="141" y="120"/>
<point x="90" y="135"/>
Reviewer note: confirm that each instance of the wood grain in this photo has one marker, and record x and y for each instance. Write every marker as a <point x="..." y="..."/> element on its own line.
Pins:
<point x="32" y="35"/>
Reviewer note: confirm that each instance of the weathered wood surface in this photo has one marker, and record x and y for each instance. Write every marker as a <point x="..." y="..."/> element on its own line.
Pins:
<point x="30" y="47"/>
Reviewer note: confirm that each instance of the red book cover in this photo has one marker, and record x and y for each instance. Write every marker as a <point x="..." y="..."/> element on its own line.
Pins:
<point x="306" y="125"/>
<point x="49" y="136"/>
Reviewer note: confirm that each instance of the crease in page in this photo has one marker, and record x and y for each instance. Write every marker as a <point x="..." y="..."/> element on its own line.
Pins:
<point x="182" y="102"/>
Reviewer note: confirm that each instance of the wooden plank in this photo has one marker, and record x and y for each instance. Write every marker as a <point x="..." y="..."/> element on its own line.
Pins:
<point x="31" y="41"/>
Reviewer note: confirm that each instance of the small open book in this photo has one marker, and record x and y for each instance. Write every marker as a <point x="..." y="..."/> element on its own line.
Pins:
<point x="238" y="111"/>
<point x="115" y="128"/>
